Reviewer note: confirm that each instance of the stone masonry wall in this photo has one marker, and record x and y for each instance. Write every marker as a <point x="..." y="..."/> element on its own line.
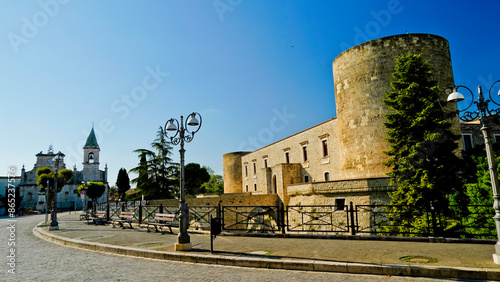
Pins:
<point x="362" y="74"/>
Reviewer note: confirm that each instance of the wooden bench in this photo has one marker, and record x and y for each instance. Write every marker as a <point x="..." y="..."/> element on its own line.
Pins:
<point x="98" y="218"/>
<point x="125" y="217"/>
<point x="162" y="220"/>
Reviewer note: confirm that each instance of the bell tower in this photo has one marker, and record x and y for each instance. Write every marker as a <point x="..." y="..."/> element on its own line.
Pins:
<point x="91" y="153"/>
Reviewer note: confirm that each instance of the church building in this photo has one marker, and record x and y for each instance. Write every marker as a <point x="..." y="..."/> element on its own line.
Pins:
<point x="68" y="198"/>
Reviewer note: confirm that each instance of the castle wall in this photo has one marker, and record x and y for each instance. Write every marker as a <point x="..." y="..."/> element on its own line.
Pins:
<point x="362" y="74"/>
<point x="268" y="160"/>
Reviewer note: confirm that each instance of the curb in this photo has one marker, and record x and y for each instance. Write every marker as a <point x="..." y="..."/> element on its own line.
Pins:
<point x="305" y="265"/>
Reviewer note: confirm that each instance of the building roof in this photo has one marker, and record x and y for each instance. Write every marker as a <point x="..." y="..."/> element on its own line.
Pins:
<point x="91" y="140"/>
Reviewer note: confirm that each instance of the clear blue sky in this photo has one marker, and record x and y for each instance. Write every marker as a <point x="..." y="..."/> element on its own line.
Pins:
<point x="256" y="70"/>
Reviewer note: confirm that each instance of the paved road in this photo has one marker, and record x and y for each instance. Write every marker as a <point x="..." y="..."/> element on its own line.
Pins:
<point x="39" y="260"/>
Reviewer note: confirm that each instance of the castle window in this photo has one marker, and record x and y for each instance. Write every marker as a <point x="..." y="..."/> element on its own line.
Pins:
<point x="467" y="139"/>
<point x="287" y="157"/>
<point x="265" y="163"/>
<point x="254" y="168"/>
<point x="246" y="170"/>
<point x="306" y="178"/>
<point x="327" y="176"/>
<point x="304" y="153"/>
<point x="325" y="147"/>
<point x="246" y="186"/>
<point x="255" y="187"/>
<point x="339" y="204"/>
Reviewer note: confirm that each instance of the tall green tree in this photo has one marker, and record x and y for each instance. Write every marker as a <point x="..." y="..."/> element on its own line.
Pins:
<point x="94" y="190"/>
<point x="479" y="191"/>
<point x="195" y="177"/>
<point x="122" y="182"/>
<point x="45" y="175"/>
<point x="422" y="146"/>
<point x="214" y="186"/>
<point x="156" y="171"/>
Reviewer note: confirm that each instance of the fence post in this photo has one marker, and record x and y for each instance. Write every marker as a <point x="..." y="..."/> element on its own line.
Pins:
<point x="282" y="217"/>
<point x="350" y="211"/>
<point x="140" y="213"/>
<point x="218" y="210"/>
<point x="161" y="208"/>
<point x="107" y="211"/>
<point x="123" y="206"/>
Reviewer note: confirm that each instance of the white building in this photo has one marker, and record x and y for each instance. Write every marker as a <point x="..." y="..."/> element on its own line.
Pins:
<point x="68" y="198"/>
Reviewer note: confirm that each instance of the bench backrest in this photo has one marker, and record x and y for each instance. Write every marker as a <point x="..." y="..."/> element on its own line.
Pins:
<point x="165" y="217"/>
<point x="101" y="212"/>
<point x="127" y="214"/>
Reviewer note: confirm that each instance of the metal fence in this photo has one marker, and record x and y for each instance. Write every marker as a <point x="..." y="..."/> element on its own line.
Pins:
<point x="251" y="218"/>
<point x="473" y="221"/>
<point x="317" y="219"/>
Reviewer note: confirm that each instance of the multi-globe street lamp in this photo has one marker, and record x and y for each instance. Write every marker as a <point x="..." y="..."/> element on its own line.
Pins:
<point x="181" y="135"/>
<point x="53" y="223"/>
<point x="486" y="117"/>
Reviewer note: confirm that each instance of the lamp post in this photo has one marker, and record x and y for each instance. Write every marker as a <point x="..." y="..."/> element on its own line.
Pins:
<point x="53" y="223"/>
<point x="84" y="197"/>
<point x="47" y="203"/>
<point x="180" y="136"/>
<point x="486" y="115"/>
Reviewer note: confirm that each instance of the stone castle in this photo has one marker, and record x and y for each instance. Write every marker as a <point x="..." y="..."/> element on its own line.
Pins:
<point x="340" y="160"/>
<point x="68" y="198"/>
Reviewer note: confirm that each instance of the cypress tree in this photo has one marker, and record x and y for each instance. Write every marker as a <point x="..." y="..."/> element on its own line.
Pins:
<point x="122" y="182"/>
<point x="422" y="146"/>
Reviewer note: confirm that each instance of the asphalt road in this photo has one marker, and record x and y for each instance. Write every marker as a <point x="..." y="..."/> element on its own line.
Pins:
<point x="26" y="257"/>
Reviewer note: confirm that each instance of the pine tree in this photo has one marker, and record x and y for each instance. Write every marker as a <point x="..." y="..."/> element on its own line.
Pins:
<point x="122" y="182"/>
<point x="156" y="171"/>
<point x="422" y="146"/>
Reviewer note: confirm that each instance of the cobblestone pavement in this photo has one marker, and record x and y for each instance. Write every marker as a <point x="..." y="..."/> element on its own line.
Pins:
<point x="39" y="260"/>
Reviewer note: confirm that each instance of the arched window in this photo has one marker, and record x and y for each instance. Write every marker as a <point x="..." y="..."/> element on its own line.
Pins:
<point x="91" y="157"/>
<point x="306" y="178"/>
<point x="327" y="176"/>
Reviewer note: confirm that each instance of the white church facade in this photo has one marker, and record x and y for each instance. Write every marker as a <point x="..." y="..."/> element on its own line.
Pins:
<point x="68" y="198"/>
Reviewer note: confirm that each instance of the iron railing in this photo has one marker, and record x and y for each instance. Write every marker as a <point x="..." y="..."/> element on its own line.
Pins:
<point x="473" y="221"/>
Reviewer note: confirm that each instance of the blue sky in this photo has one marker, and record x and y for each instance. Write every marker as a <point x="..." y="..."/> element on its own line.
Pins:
<point x="256" y="70"/>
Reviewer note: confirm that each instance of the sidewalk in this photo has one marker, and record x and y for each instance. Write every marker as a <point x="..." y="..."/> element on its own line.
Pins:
<point x="447" y="260"/>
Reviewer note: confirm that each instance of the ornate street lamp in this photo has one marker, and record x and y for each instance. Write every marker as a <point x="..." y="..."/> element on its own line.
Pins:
<point x="53" y="223"/>
<point x="179" y="137"/>
<point x="486" y="117"/>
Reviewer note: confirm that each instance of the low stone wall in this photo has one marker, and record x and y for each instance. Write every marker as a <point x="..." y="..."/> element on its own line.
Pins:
<point x="236" y="199"/>
<point x="359" y="191"/>
<point x="332" y="193"/>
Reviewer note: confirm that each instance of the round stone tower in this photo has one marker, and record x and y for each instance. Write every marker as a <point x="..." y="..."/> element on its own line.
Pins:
<point x="233" y="181"/>
<point x="362" y="74"/>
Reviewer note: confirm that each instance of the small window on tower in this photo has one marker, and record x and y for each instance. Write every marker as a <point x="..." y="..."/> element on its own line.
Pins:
<point x="91" y="157"/>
